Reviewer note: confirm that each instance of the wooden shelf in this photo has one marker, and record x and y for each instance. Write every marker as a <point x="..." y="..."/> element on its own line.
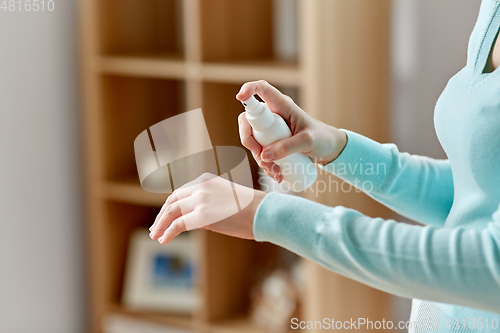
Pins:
<point x="146" y="61"/>
<point x="126" y="26"/>
<point x="284" y="73"/>
<point x="238" y="325"/>
<point x="236" y="30"/>
<point x="175" y="320"/>
<point x="143" y="66"/>
<point x="133" y="193"/>
<point x="280" y="73"/>
<point x="129" y="106"/>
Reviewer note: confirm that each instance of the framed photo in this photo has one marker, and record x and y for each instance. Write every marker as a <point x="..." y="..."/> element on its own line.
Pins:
<point x="161" y="277"/>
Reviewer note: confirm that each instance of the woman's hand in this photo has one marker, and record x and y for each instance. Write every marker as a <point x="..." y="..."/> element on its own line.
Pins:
<point x="313" y="138"/>
<point x="208" y="202"/>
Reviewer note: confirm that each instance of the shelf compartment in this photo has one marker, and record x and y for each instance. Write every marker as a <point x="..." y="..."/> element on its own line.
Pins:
<point x="131" y="105"/>
<point x="121" y="220"/>
<point x="131" y="192"/>
<point x="141" y="27"/>
<point x="234" y="30"/>
<point x="225" y="280"/>
<point x="221" y="111"/>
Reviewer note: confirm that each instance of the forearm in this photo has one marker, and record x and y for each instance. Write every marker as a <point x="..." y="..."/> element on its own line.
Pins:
<point x="417" y="187"/>
<point x="445" y="265"/>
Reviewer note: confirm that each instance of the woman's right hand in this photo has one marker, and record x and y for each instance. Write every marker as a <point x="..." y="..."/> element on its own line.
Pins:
<point x="315" y="139"/>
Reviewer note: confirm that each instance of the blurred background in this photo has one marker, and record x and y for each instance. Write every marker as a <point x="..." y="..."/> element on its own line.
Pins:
<point x="50" y="241"/>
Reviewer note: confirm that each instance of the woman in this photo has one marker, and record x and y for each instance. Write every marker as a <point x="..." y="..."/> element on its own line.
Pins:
<point x="451" y="266"/>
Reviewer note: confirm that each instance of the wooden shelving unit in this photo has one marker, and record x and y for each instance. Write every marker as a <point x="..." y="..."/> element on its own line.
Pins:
<point x="147" y="60"/>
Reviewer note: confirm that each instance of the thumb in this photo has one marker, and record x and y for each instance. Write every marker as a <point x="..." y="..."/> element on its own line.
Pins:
<point x="277" y="150"/>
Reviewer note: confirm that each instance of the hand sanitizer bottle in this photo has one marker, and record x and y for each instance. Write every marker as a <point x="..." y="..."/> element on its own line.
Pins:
<point x="298" y="171"/>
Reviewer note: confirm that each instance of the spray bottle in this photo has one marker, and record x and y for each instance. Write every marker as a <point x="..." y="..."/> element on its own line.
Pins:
<point x="298" y="171"/>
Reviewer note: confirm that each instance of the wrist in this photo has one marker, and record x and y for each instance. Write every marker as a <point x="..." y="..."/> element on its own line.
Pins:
<point x="339" y="140"/>
<point x="259" y="196"/>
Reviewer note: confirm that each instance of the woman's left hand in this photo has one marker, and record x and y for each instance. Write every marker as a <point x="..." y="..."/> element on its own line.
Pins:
<point x="207" y="202"/>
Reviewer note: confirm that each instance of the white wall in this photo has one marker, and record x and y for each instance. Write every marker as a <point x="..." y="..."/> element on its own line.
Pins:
<point x="429" y="46"/>
<point x="41" y="245"/>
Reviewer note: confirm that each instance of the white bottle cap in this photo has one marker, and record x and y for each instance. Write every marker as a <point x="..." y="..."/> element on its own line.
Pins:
<point x="252" y="105"/>
<point x="258" y="114"/>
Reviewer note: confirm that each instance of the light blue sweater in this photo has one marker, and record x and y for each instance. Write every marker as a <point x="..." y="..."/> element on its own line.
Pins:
<point x="453" y="263"/>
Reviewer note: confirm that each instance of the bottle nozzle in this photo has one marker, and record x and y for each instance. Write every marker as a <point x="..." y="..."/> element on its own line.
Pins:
<point x="258" y="114"/>
<point x="252" y="105"/>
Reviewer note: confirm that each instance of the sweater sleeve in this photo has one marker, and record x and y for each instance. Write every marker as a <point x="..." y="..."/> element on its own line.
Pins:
<point x="457" y="266"/>
<point x="418" y="187"/>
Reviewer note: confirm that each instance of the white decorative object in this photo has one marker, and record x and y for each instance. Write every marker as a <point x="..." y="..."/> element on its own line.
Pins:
<point x="285" y="30"/>
<point x="275" y="301"/>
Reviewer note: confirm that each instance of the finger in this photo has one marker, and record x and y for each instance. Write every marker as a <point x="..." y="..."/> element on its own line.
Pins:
<point x="175" y="229"/>
<point x="299" y="143"/>
<point x="173" y="212"/>
<point x="175" y="196"/>
<point x="158" y="216"/>
<point x="271" y="169"/>
<point x="246" y="136"/>
<point x="274" y="99"/>
<point x="181" y="193"/>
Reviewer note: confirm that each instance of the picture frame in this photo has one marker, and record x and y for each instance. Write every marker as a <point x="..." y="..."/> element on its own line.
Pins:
<point x="161" y="277"/>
